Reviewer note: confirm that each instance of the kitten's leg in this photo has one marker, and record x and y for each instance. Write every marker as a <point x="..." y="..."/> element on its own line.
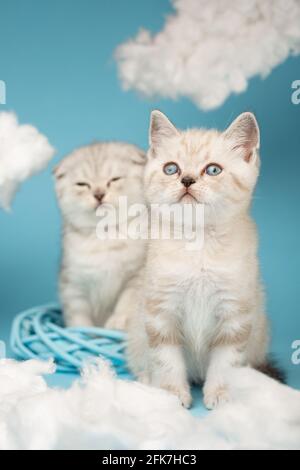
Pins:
<point x="228" y="350"/>
<point x="167" y="367"/>
<point x="76" y="308"/>
<point x="137" y="347"/>
<point x="123" y="311"/>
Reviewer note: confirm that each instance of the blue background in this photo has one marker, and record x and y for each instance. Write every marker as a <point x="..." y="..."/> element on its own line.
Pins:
<point x="56" y="58"/>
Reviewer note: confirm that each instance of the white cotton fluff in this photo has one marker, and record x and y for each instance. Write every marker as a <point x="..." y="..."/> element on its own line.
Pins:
<point x="210" y="49"/>
<point x="23" y="152"/>
<point x="101" y="411"/>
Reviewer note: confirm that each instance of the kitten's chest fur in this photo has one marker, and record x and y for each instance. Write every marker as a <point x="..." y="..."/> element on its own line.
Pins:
<point x="202" y="297"/>
<point x="203" y="289"/>
<point x="204" y="283"/>
<point x="201" y="278"/>
<point x="101" y="268"/>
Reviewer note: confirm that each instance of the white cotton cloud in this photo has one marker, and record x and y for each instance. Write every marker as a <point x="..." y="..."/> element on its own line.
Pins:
<point x="210" y="49"/>
<point x="101" y="411"/>
<point x="23" y="152"/>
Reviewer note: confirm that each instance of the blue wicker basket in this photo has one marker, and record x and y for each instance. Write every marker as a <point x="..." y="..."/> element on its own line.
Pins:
<point x="39" y="333"/>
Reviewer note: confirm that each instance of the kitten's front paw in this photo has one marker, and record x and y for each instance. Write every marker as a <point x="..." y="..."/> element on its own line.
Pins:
<point x="185" y="397"/>
<point x="143" y="378"/>
<point x="215" y="397"/>
<point x="117" y="322"/>
<point x="183" y="394"/>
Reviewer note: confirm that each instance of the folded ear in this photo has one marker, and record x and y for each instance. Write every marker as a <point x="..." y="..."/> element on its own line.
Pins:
<point x="59" y="171"/>
<point x="244" y="134"/>
<point x="138" y="157"/>
<point x="160" y="128"/>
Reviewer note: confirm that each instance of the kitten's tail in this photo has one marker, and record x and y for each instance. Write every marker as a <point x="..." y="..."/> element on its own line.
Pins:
<point x="273" y="370"/>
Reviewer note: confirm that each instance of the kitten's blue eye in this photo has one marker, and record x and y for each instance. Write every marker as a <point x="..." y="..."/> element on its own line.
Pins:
<point x="171" y="169"/>
<point x="213" y="170"/>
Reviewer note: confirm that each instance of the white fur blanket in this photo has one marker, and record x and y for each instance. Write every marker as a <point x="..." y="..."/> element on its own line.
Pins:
<point x="100" y="411"/>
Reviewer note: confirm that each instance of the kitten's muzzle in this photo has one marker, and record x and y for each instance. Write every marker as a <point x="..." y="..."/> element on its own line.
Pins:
<point x="187" y="181"/>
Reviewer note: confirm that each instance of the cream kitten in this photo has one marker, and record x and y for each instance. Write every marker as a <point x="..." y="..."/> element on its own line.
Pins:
<point x="202" y="311"/>
<point x="96" y="281"/>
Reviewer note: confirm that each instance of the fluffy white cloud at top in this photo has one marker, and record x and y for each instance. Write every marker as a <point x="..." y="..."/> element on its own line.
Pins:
<point x="23" y="152"/>
<point x="210" y="49"/>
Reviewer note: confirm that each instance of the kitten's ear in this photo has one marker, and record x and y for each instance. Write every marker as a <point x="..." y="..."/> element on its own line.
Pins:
<point x="139" y="157"/>
<point x="244" y="134"/>
<point x="160" y="129"/>
<point x="58" y="171"/>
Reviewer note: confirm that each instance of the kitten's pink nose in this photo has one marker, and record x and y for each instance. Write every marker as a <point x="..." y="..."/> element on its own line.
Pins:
<point x="99" y="195"/>
<point x="187" y="181"/>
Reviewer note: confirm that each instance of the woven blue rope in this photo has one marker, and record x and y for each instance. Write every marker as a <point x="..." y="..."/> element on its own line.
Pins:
<point x="39" y="333"/>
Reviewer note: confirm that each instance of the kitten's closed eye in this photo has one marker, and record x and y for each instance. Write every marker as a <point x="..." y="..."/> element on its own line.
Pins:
<point x="113" y="180"/>
<point x="83" y="184"/>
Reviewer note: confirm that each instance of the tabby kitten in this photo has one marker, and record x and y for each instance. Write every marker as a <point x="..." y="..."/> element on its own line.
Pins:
<point x="202" y="312"/>
<point x="97" y="276"/>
